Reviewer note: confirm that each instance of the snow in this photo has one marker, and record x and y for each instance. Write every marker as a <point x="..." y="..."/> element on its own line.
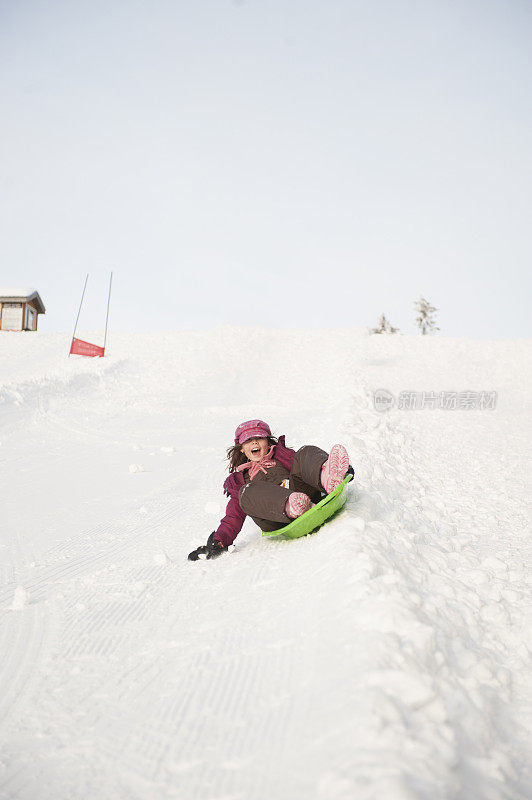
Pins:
<point x="20" y="599"/>
<point x="385" y="657"/>
<point x="133" y="468"/>
<point x="10" y="292"/>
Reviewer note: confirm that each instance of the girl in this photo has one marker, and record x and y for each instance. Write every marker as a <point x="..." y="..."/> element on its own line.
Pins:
<point x="271" y="483"/>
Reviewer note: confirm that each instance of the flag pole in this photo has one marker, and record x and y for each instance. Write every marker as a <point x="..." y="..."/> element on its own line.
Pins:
<point x="107" y="317"/>
<point x="79" y="311"/>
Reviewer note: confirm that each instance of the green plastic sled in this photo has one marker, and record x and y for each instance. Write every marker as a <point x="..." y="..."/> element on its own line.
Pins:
<point x="315" y="516"/>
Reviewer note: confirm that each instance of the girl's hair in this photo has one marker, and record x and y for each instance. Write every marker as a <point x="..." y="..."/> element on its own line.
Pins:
<point x="236" y="456"/>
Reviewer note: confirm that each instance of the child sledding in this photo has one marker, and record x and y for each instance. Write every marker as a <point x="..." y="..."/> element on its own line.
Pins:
<point x="272" y="484"/>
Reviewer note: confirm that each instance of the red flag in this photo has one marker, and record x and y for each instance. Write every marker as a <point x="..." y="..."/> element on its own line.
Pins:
<point x="81" y="348"/>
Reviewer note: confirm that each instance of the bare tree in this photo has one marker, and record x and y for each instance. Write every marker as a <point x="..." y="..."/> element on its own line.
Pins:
<point x="425" y="321"/>
<point x="383" y="326"/>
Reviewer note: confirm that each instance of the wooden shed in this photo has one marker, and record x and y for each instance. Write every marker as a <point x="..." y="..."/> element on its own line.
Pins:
<point x="20" y="309"/>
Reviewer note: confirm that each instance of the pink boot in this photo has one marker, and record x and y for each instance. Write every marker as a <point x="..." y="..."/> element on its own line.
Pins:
<point x="334" y="469"/>
<point x="297" y="504"/>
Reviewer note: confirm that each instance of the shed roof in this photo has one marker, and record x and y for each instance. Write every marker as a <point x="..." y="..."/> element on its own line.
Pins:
<point x="21" y="295"/>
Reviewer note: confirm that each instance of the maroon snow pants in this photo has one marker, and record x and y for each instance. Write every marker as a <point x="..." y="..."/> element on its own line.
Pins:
<point x="264" y="501"/>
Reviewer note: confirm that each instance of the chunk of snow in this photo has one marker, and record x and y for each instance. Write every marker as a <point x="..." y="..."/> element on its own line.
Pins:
<point x="133" y="468"/>
<point x="20" y="599"/>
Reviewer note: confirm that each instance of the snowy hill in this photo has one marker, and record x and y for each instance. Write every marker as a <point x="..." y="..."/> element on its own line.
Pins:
<point x="385" y="657"/>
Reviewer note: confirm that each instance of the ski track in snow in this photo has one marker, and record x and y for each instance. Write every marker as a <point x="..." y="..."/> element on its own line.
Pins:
<point x="387" y="657"/>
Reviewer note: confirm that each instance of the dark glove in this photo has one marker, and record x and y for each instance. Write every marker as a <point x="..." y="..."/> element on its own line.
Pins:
<point x="212" y="549"/>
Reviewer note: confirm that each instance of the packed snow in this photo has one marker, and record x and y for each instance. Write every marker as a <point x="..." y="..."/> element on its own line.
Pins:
<point x="385" y="657"/>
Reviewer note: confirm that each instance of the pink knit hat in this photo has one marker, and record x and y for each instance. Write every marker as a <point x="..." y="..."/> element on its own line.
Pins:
<point x="252" y="429"/>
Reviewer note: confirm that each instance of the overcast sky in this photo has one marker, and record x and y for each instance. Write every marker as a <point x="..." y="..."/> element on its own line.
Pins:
<point x="301" y="163"/>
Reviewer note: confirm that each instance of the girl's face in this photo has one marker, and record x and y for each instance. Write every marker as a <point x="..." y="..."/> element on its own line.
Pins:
<point x="255" y="449"/>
